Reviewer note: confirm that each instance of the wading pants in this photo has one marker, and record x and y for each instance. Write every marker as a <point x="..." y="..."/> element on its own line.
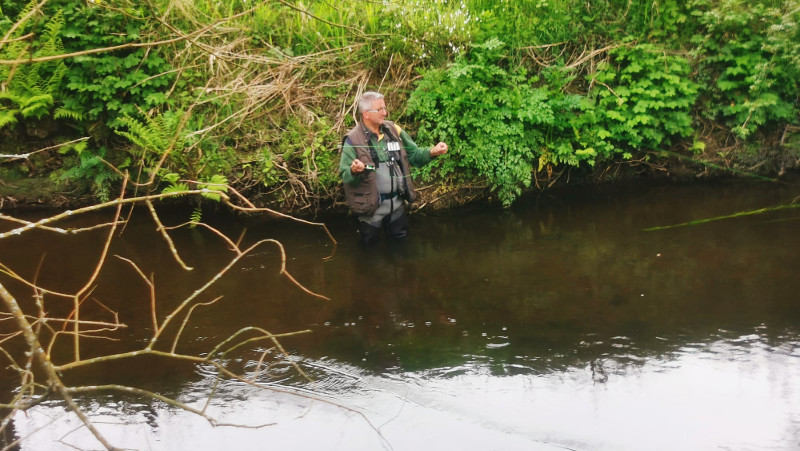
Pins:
<point x="389" y="216"/>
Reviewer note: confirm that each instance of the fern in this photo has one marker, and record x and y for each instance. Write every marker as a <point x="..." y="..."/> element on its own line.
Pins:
<point x="91" y="167"/>
<point x="217" y="183"/>
<point x="196" y="217"/>
<point x="175" y="188"/>
<point x="8" y="117"/>
<point x="32" y="88"/>
<point x="51" y="41"/>
<point x="154" y="135"/>
<point x="37" y="106"/>
<point x="64" y="113"/>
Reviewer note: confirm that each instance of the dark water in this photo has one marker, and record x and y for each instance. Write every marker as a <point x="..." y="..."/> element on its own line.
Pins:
<point x="558" y="324"/>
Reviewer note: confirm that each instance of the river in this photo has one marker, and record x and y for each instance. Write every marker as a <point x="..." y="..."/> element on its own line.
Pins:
<point x="564" y="322"/>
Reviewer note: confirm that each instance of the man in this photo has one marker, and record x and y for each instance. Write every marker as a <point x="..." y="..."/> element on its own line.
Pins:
<point x="375" y="170"/>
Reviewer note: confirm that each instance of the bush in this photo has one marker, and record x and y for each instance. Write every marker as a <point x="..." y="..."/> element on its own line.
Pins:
<point x="499" y="126"/>
<point x="644" y="98"/>
<point x="749" y="55"/>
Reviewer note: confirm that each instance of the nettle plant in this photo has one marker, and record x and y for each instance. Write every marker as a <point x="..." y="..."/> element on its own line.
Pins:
<point x="644" y="97"/>
<point x="499" y="126"/>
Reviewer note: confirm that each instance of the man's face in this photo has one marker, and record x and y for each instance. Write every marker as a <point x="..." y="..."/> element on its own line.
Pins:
<point x="375" y="115"/>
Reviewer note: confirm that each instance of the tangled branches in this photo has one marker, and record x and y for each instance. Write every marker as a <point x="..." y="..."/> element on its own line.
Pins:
<point x="44" y="346"/>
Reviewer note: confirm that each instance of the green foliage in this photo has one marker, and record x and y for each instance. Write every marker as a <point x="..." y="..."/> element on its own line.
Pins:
<point x="174" y="185"/>
<point x="304" y="147"/>
<point x="749" y="54"/>
<point x="213" y="186"/>
<point x="196" y="217"/>
<point x="173" y="135"/>
<point x="89" y="166"/>
<point x="276" y="83"/>
<point x="490" y="114"/>
<point x="105" y="86"/>
<point x="214" y="183"/>
<point x="152" y="136"/>
<point x="575" y="136"/>
<point x="553" y="23"/>
<point x="644" y="98"/>
<point x="371" y="33"/>
<point x="31" y="89"/>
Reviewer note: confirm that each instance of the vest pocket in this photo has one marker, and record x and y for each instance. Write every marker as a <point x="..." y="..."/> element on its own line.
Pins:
<point x="362" y="199"/>
<point x="361" y="203"/>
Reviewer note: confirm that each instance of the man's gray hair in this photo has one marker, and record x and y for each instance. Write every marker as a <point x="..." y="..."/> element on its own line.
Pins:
<point x="365" y="102"/>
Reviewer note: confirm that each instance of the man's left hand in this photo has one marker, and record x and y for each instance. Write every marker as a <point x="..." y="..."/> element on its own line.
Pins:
<point x="439" y="149"/>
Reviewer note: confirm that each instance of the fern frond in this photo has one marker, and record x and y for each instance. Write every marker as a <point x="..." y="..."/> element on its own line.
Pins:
<point x="41" y="99"/>
<point x="8" y="117"/>
<point x="217" y="183"/>
<point x="51" y="37"/>
<point x="171" y="178"/>
<point x="159" y="129"/>
<point x="37" y="106"/>
<point x="24" y="13"/>
<point x="175" y="188"/>
<point x="12" y="96"/>
<point x="52" y="85"/>
<point x="147" y="136"/>
<point x="64" y="113"/>
<point x="196" y="217"/>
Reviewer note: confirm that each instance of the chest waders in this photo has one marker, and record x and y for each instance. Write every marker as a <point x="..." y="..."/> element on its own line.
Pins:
<point x="378" y="199"/>
<point x="391" y="187"/>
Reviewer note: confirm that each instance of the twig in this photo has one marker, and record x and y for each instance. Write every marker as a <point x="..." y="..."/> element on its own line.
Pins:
<point x="21" y="21"/>
<point x="151" y="285"/>
<point x="186" y="320"/>
<point x="165" y="235"/>
<point x="44" y="361"/>
<point x="42" y="59"/>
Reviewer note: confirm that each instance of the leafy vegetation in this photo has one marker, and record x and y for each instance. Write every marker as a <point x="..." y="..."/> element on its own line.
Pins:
<point x="260" y="93"/>
<point x="644" y="98"/>
<point x="495" y="120"/>
<point x="748" y="66"/>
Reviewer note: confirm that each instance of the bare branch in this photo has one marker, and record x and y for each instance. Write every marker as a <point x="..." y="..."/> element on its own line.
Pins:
<point x="165" y="235"/>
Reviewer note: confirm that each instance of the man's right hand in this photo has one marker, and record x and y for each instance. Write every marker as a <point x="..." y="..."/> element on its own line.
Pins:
<point x="357" y="166"/>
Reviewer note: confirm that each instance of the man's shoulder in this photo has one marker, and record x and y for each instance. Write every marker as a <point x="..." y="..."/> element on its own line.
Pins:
<point x="394" y="125"/>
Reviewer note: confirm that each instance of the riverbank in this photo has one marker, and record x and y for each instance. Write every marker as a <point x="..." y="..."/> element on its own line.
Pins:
<point x="44" y="190"/>
<point x="528" y="95"/>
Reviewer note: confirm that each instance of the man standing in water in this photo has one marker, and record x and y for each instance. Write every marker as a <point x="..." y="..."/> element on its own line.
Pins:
<point x="375" y="170"/>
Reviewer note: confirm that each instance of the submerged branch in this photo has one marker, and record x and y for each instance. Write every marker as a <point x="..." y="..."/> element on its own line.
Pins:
<point x="720" y="218"/>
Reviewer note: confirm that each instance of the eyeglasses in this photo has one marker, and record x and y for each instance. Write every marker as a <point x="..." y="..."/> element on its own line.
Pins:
<point x="377" y="111"/>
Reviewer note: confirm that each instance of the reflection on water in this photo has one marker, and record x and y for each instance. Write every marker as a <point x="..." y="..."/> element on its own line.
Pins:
<point x="718" y="396"/>
<point x="558" y="324"/>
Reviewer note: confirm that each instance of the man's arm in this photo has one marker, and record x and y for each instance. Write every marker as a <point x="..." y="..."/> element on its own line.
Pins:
<point x="346" y="165"/>
<point x="416" y="156"/>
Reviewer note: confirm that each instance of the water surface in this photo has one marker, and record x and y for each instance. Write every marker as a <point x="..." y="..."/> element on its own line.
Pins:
<point x="558" y="324"/>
